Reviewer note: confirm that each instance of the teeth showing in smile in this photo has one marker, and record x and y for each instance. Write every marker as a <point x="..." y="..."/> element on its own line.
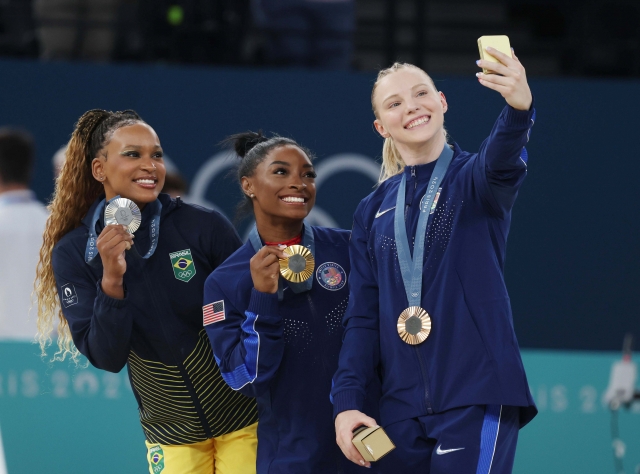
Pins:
<point x="293" y="199"/>
<point x="417" y="122"/>
<point x="145" y="181"/>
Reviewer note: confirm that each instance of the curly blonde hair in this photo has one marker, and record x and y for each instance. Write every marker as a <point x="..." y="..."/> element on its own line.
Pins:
<point x="75" y="190"/>
<point x="392" y="163"/>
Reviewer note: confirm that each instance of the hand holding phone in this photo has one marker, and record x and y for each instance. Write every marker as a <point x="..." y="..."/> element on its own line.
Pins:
<point x="499" y="43"/>
<point x="503" y="72"/>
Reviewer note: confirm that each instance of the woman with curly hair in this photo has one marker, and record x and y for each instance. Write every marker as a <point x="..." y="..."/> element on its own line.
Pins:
<point x="133" y="297"/>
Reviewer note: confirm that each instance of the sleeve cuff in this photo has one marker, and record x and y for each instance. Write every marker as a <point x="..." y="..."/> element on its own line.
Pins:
<point x="107" y="300"/>
<point x="263" y="303"/>
<point x="520" y="118"/>
<point x="347" y="400"/>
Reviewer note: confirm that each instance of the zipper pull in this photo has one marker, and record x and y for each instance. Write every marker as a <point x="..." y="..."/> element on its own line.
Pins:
<point x="410" y="195"/>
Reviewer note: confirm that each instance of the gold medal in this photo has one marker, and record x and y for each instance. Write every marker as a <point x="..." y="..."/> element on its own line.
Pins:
<point x="299" y="264"/>
<point x="123" y="211"/>
<point x="414" y="325"/>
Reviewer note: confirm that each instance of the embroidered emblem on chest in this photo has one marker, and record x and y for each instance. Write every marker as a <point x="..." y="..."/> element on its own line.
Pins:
<point x="182" y="263"/>
<point x="435" y="201"/>
<point x="331" y="276"/>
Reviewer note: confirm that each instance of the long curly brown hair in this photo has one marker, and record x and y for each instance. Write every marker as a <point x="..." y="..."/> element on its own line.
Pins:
<point x="75" y="190"/>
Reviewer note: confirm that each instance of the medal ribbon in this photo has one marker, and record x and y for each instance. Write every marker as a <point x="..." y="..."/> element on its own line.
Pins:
<point x="154" y="231"/>
<point x="411" y="268"/>
<point x="307" y="241"/>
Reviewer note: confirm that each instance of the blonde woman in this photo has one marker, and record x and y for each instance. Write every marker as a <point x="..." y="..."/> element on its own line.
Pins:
<point x="136" y="299"/>
<point x="428" y="306"/>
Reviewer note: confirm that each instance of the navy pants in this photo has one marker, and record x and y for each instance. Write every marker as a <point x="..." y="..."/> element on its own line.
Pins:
<point x="471" y="440"/>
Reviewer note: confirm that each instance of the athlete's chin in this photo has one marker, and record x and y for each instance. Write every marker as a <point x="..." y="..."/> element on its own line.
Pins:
<point x="141" y="197"/>
<point x="294" y="215"/>
<point x="421" y="138"/>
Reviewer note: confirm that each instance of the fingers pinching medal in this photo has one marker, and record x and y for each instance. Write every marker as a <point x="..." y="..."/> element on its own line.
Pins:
<point x="299" y="264"/>
<point x="123" y="211"/>
<point x="414" y="323"/>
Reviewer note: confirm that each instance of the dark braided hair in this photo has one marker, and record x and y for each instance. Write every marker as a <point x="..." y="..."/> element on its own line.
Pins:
<point x="102" y="125"/>
<point x="252" y="148"/>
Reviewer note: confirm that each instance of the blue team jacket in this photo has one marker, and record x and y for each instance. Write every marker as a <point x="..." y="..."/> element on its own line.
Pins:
<point x="471" y="356"/>
<point x="285" y="353"/>
<point x="156" y="330"/>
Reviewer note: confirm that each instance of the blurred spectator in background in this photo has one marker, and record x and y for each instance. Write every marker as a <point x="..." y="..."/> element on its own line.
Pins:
<point x="17" y="37"/>
<point x="307" y="33"/>
<point x="175" y="185"/>
<point x="58" y="160"/>
<point x="76" y="29"/>
<point x="22" y="221"/>
<point x="185" y="31"/>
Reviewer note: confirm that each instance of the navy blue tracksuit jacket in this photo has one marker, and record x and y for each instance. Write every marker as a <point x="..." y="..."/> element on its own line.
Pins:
<point x="156" y="330"/>
<point x="471" y="356"/>
<point x="284" y="353"/>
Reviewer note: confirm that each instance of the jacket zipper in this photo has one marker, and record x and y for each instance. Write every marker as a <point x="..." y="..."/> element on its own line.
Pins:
<point x="423" y="368"/>
<point x="425" y="379"/>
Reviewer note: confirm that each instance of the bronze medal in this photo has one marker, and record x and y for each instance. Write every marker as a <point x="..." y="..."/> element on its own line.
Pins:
<point x="299" y="264"/>
<point x="414" y="325"/>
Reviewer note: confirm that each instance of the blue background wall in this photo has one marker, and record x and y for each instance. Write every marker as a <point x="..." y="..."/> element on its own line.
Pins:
<point x="573" y="266"/>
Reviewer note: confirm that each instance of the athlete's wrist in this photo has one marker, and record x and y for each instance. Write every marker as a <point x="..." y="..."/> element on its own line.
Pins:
<point x="113" y="286"/>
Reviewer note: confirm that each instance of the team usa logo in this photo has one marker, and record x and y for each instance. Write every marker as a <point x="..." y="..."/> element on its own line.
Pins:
<point x="435" y="201"/>
<point x="331" y="276"/>
<point x="183" y="266"/>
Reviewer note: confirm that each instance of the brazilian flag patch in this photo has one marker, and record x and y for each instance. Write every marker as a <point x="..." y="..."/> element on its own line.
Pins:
<point x="182" y="263"/>
<point x="156" y="459"/>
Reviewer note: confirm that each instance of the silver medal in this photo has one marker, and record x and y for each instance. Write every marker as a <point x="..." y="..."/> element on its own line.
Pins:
<point x="125" y="212"/>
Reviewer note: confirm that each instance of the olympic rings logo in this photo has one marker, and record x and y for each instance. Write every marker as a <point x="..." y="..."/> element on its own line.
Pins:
<point x="340" y="163"/>
<point x="185" y="274"/>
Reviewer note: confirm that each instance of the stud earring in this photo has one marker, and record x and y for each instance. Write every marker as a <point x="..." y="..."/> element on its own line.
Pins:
<point x="252" y="195"/>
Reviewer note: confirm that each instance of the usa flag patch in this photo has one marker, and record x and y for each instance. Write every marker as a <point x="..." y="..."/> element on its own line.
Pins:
<point x="213" y="312"/>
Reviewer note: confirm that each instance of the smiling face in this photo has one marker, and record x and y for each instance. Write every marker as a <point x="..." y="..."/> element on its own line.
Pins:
<point x="283" y="185"/>
<point x="408" y="108"/>
<point x="131" y="165"/>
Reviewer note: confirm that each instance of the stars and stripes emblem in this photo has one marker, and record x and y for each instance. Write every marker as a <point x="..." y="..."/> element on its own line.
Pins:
<point x="213" y="312"/>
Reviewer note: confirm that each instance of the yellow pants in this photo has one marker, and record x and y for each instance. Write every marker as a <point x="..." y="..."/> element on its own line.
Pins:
<point x="233" y="453"/>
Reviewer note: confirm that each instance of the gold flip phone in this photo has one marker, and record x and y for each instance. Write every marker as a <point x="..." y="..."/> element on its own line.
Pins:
<point x="500" y="42"/>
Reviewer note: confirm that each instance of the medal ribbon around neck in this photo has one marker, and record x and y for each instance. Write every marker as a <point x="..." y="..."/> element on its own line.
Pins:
<point x="154" y="231"/>
<point x="411" y="268"/>
<point x="307" y="241"/>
